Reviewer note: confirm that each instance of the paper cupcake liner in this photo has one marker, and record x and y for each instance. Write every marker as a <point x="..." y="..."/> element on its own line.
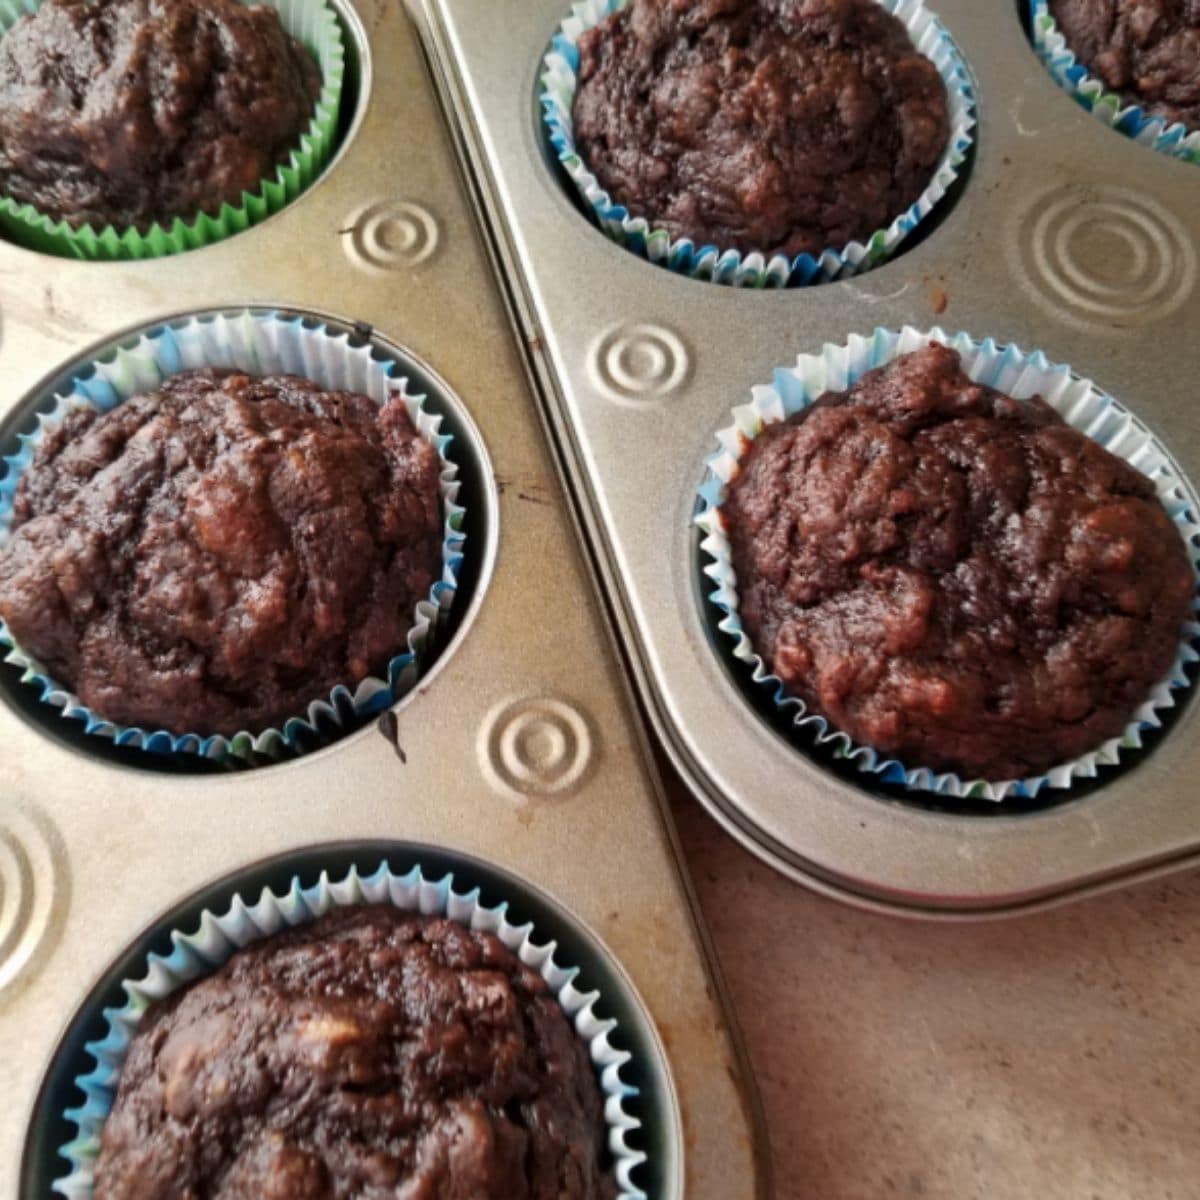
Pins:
<point x="1175" y="139"/>
<point x="219" y="936"/>
<point x="1007" y="369"/>
<point x="707" y="262"/>
<point x="259" y="344"/>
<point x="312" y="23"/>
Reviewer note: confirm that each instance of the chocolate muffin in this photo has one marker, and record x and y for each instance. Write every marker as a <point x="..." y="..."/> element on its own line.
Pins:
<point x="954" y="577"/>
<point x="1147" y="51"/>
<point x="782" y="126"/>
<point x="214" y="555"/>
<point x="371" y="1053"/>
<point x="131" y="112"/>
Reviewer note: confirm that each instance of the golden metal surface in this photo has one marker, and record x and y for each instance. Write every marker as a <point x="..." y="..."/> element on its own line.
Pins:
<point x="1066" y="237"/>
<point x="94" y="851"/>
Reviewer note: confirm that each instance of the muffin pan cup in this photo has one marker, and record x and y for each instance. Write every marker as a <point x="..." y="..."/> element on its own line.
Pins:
<point x="1167" y="137"/>
<point x="757" y="269"/>
<point x="263" y="344"/>
<point x="314" y="24"/>
<point x="516" y="749"/>
<point x="248" y="919"/>
<point x="1010" y="370"/>
<point x="1064" y="236"/>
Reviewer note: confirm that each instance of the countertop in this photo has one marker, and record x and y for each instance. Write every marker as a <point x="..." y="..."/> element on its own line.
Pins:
<point x="1048" y="1057"/>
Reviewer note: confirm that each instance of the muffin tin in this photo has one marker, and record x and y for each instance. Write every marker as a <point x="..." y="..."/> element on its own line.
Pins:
<point x="1061" y="236"/>
<point x="513" y="764"/>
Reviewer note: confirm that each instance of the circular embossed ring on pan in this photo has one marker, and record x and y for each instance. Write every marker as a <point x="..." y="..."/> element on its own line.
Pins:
<point x="33" y="881"/>
<point x="1104" y="257"/>
<point x="392" y="235"/>
<point x="639" y="363"/>
<point x="536" y="747"/>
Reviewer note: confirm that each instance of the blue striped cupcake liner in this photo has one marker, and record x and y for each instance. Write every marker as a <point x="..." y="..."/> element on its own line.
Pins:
<point x="558" y="79"/>
<point x="259" y="344"/>
<point x="1173" y="138"/>
<point x="220" y="935"/>
<point x="1016" y="373"/>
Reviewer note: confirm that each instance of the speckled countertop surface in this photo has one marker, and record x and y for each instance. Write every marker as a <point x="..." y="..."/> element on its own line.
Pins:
<point x="1050" y="1057"/>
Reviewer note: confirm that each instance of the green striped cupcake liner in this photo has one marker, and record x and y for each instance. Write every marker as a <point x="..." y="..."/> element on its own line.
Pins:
<point x="312" y="23"/>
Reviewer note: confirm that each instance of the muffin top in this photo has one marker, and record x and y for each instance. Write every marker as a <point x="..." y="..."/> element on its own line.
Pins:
<point x="955" y="577"/>
<point x="131" y="112"/>
<point x="371" y="1053"/>
<point x="214" y="555"/>
<point x="1148" y="51"/>
<point x="782" y="126"/>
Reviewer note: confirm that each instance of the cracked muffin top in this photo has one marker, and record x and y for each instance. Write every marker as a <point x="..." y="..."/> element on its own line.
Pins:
<point x="212" y="556"/>
<point x="371" y="1053"/>
<point x="782" y="126"/>
<point x="131" y="112"/>
<point x="954" y="577"/>
<point x="1147" y="51"/>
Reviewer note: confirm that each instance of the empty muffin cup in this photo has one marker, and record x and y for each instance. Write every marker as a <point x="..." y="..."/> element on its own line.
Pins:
<point x="256" y="344"/>
<point x="313" y="24"/>
<point x="1017" y="374"/>
<point x="219" y="935"/>
<point x="722" y="264"/>
<point x="1167" y="137"/>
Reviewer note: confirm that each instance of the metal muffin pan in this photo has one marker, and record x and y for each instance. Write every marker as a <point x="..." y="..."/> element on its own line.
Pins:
<point x="1064" y="236"/>
<point x="516" y="757"/>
